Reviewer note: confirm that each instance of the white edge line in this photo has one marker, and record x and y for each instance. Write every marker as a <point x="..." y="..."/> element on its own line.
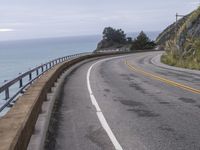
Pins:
<point x="99" y="113"/>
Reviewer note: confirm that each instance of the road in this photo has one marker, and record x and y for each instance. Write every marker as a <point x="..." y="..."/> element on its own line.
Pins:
<point x="127" y="103"/>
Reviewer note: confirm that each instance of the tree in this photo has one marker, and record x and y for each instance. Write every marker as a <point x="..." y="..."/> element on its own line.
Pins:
<point x="114" y="35"/>
<point x="142" y="42"/>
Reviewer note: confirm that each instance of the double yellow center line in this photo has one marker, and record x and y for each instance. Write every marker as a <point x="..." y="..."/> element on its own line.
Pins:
<point x="164" y="80"/>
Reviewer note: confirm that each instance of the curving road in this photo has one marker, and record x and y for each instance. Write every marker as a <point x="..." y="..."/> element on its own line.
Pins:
<point x="128" y="103"/>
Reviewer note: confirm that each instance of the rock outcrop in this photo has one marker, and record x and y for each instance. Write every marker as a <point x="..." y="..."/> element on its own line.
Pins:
<point x="181" y="42"/>
<point x="186" y="27"/>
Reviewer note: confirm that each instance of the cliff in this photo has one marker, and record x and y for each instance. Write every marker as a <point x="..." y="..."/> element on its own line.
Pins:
<point x="169" y="32"/>
<point x="181" y="42"/>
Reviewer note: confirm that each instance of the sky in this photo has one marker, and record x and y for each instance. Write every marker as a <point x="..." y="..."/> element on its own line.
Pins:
<point x="26" y="19"/>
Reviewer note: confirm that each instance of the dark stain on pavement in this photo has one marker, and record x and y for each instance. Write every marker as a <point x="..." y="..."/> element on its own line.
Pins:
<point x="166" y="128"/>
<point x="88" y="107"/>
<point x="132" y="75"/>
<point x="131" y="103"/>
<point x="137" y="87"/>
<point x="124" y="75"/>
<point x="102" y="72"/>
<point x="187" y="100"/>
<point x="198" y="106"/>
<point x="127" y="77"/>
<point x="139" y="108"/>
<point x="164" y="103"/>
<point x="107" y="90"/>
<point x="144" y="112"/>
<point x="99" y="137"/>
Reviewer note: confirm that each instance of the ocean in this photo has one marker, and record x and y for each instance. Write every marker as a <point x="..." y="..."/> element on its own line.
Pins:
<point x="21" y="55"/>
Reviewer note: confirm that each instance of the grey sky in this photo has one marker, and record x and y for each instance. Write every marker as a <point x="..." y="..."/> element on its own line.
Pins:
<point x="21" y="19"/>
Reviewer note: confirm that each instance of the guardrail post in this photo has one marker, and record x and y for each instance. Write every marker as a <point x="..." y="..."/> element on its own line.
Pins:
<point x="7" y="95"/>
<point x="20" y="83"/>
<point x="50" y="65"/>
<point x="30" y="76"/>
<point x="37" y="72"/>
<point x="42" y="68"/>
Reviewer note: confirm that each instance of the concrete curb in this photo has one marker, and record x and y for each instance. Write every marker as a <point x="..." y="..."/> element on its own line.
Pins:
<point x="38" y="138"/>
<point x="156" y="61"/>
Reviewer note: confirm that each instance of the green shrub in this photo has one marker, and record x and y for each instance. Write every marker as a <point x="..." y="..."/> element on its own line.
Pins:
<point x="142" y="42"/>
<point x="189" y="59"/>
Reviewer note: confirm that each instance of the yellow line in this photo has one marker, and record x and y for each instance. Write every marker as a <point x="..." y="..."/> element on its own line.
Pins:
<point x="167" y="81"/>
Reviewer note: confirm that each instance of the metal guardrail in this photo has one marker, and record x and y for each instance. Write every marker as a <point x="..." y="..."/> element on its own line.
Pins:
<point x="27" y="78"/>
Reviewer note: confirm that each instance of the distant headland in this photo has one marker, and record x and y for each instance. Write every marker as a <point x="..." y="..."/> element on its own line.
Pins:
<point x="116" y="39"/>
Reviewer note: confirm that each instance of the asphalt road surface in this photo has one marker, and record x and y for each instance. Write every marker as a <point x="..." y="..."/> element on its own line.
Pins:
<point x="127" y="103"/>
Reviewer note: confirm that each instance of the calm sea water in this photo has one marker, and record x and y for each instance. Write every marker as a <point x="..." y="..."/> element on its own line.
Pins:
<point x="19" y="56"/>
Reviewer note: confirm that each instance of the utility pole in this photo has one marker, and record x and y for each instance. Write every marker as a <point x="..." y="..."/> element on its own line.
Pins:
<point x="176" y="24"/>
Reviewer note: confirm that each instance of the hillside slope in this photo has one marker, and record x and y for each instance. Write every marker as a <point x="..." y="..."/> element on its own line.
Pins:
<point x="182" y="42"/>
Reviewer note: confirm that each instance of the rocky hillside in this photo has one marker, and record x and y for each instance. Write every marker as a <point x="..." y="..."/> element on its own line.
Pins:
<point x="187" y="27"/>
<point x="182" y="42"/>
<point x="169" y="32"/>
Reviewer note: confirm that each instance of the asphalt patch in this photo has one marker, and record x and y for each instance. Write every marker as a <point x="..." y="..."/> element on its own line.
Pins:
<point x="187" y="100"/>
<point x="128" y="77"/>
<point x="164" y="103"/>
<point x="137" y="87"/>
<point x="138" y="108"/>
<point x="198" y="106"/>
<point x="143" y="112"/>
<point x="99" y="137"/>
<point x="166" y="128"/>
<point x="107" y="90"/>
<point x="131" y="103"/>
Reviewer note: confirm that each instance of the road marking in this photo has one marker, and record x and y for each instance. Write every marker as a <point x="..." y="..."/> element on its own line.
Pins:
<point x="167" y="81"/>
<point x="99" y="113"/>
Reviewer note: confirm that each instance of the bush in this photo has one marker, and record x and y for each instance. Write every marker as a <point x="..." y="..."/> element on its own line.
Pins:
<point x="142" y="42"/>
<point x="190" y="58"/>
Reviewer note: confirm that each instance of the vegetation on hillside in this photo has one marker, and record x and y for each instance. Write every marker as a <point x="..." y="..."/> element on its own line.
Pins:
<point x="188" y="59"/>
<point x="113" y="38"/>
<point x="183" y="50"/>
<point x="114" y="35"/>
<point x="116" y="39"/>
<point x="142" y="42"/>
<point x="169" y="32"/>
